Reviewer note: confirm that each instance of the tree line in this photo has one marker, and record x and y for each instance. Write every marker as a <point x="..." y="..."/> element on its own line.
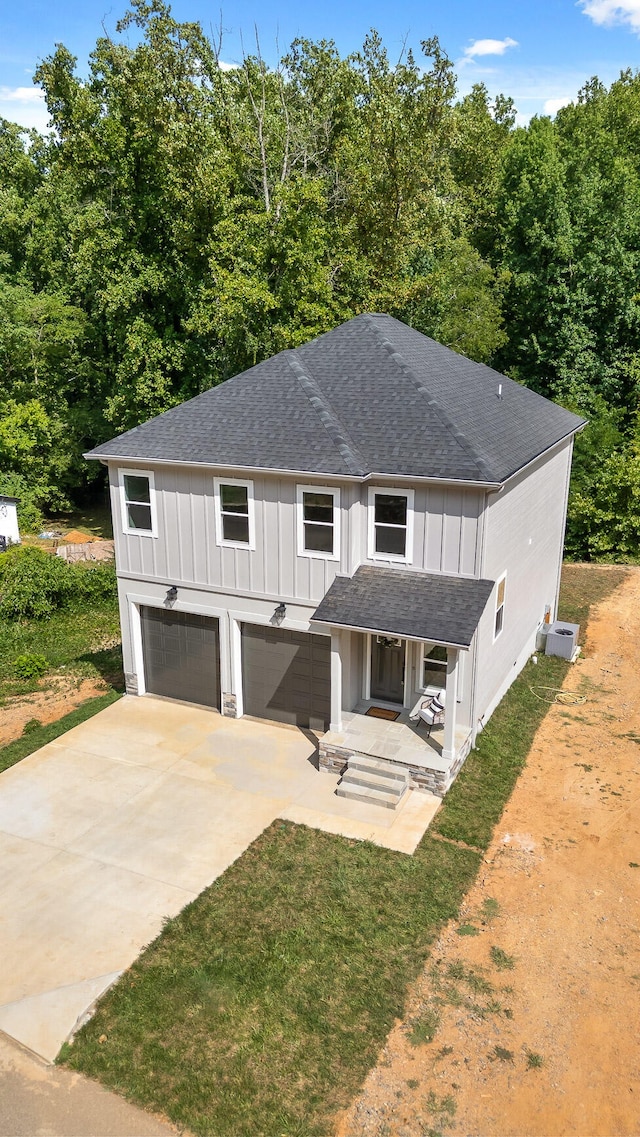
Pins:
<point x="184" y="220"/>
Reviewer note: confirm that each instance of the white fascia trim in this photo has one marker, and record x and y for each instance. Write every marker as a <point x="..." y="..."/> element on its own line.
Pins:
<point x="335" y="494"/>
<point x="387" y="632"/>
<point x="544" y="453"/>
<point x="149" y="475"/>
<point x="246" y="545"/>
<point x="374" y="476"/>
<point x="389" y="558"/>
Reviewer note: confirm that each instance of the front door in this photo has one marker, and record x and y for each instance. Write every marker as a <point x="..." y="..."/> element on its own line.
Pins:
<point x="387" y="669"/>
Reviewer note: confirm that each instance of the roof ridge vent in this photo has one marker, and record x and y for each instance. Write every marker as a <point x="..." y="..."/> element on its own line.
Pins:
<point x="401" y="363"/>
<point x="350" y="454"/>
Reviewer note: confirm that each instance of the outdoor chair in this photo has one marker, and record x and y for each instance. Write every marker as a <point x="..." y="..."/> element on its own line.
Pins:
<point x="432" y="712"/>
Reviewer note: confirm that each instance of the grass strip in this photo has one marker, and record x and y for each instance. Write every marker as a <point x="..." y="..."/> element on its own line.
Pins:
<point x="477" y="798"/>
<point x="261" y="1007"/>
<point x="41" y="735"/>
<point x="474" y="804"/>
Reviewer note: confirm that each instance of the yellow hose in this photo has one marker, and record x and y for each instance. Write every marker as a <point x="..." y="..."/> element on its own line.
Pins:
<point x="566" y="698"/>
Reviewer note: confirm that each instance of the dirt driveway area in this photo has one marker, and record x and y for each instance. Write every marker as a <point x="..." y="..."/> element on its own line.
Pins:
<point x="531" y="1000"/>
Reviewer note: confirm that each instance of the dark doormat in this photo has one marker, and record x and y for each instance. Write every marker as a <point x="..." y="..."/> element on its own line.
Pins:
<point x="383" y="713"/>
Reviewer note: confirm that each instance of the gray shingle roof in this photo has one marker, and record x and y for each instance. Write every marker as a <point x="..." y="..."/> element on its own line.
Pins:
<point x="424" y="606"/>
<point x="371" y="396"/>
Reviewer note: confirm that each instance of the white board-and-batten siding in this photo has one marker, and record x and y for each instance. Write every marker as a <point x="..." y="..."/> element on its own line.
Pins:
<point x="445" y="535"/>
<point x="186" y="550"/>
<point x="525" y="539"/>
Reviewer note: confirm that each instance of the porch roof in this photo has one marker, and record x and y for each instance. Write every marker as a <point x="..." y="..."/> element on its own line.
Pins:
<point x="413" y="605"/>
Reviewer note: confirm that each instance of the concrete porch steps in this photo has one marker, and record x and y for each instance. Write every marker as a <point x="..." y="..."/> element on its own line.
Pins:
<point x="374" y="781"/>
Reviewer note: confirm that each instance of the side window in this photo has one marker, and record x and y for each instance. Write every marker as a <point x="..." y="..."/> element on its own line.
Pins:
<point x="390" y="524"/>
<point x="234" y="513"/>
<point x="318" y="522"/>
<point x="500" y="594"/>
<point x="138" y="502"/>
<point x="434" y="666"/>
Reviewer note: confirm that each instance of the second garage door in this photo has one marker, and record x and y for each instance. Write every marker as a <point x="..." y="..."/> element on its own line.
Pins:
<point x="287" y="676"/>
<point x="181" y="655"/>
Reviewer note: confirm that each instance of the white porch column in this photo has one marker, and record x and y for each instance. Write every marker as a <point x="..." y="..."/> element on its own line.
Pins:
<point x="336" y="680"/>
<point x="450" y="705"/>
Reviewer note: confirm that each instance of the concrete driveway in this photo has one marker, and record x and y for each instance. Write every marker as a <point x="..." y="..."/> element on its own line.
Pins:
<point x="125" y="819"/>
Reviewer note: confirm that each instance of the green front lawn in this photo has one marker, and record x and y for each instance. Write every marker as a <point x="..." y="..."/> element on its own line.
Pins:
<point x="261" y="1007"/>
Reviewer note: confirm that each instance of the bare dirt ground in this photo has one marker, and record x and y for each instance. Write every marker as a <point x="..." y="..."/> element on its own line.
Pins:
<point x="59" y="695"/>
<point x="542" y="1040"/>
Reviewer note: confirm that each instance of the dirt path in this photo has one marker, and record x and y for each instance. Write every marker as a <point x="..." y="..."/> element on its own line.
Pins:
<point x="543" y="1039"/>
<point x="59" y="696"/>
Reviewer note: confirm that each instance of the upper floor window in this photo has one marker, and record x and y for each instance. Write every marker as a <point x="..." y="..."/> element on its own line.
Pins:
<point x="234" y="513"/>
<point x="500" y="594"/>
<point x="390" y="524"/>
<point x="138" y="502"/>
<point x="318" y="521"/>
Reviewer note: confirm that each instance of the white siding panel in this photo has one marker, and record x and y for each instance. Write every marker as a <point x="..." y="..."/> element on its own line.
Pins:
<point x="170" y="547"/>
<point x="445" y="536"/>
<point x="434" y="524"/>
<point x="199" y="528"/>
<point x="285" y="537"/>
<point x="451" y="537"/>
<point x="469" y="538"/>
<point x="525" y="537"/>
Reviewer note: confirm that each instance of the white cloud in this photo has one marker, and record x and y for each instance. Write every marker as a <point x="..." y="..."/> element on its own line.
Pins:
<point x="552" y="106"/>
<point x="488" y="47"/>
<point x="26" y="106"/>
<point x="21" y="94"/>
<point x="227" y="66"/>
<point x="609" y="12"/>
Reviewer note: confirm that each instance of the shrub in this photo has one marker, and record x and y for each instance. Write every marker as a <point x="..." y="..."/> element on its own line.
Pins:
<point x="92" y="581"/>
<point x="30" y="666"/>
<point x="31" y="725"/>
<point x="34" y="583"/>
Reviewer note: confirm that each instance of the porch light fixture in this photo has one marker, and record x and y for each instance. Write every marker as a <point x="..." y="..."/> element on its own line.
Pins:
<point x="279" y="614"/>
<point x="172" y="594"/>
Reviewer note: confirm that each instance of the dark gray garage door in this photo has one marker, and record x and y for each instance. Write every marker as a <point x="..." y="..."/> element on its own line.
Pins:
<point x="181" y="655"/>
<point x="287" y="676"/>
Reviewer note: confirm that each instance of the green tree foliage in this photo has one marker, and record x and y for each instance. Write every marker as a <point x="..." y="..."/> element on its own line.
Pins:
<point x="183" y="221"/>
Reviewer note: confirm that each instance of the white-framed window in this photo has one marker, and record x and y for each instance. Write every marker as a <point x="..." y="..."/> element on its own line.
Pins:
<point x="138" y="499"/>
<point x="318" y="511"/>
<point x="390" y="524"/>
<point x="500" y="595"/>
<point x="235" y="515"/>
<point x="434" y="666"/>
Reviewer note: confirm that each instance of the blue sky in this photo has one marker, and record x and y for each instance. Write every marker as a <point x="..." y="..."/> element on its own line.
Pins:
<point x="540" y="52"/>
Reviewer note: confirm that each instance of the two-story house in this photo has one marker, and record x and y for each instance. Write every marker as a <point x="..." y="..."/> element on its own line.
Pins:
<point x="351" y="524"/>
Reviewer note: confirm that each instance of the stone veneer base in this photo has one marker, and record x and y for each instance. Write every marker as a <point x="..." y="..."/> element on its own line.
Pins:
<point x="229" y="705"/>
<point x="334" y="760"/>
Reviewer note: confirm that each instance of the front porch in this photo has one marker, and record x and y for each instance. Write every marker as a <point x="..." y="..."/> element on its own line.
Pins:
<point x="398" y="640"/>
<point x="402" y="742"/>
